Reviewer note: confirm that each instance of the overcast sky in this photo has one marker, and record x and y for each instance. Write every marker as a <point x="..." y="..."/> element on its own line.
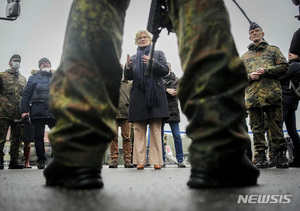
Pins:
<point x="40" y="29"/>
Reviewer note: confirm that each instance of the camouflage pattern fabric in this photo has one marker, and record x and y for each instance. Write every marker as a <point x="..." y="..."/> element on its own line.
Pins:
<point x="275" y="132"/>
<point x="12" y="84"/>
<point x="263" y="97"/>
<point x="267" y="90"/>
<point x="85" y="88"/>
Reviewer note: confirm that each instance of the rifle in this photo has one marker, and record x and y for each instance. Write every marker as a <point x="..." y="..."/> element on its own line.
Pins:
<point x="158" y="19"/>
<point x="242" y="11"/>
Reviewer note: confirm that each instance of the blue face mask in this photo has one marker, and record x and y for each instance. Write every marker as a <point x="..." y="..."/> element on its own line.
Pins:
<point x="15" y="65"/>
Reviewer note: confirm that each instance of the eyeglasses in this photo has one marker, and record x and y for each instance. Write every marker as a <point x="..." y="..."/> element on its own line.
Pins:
<point x="143" y="37"/>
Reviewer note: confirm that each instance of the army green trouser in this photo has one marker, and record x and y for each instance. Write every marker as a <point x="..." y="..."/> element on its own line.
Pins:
<point x="15" y="138"/>
<point x="275" y="133"/>
<point x="85" y="88"/>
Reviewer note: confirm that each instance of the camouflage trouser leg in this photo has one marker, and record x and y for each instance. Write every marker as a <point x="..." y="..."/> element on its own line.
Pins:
<point x="275" y="117"/>
<point x="85" y="89"/>
<point x="4" y="125"/>
<point x="258" y="127"/>
<point x="15" y="138"/>
<point x="212" y="88"/>
<point x="274" y="130"/>
<point x="15" y="141"/>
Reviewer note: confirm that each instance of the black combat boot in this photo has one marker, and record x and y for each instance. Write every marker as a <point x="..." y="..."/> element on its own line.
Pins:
<point x="15" y="164"/>
<point x="57" y="174"/>
<point x="273" y="161"/>
<point x="241" y="172"/>
<point x="1" y="163"/>
<point x="282" y="161"/>
<point x="262" y="160"/>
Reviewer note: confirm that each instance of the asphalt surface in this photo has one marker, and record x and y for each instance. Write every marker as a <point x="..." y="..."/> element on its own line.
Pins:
<point x="149" y="189"/>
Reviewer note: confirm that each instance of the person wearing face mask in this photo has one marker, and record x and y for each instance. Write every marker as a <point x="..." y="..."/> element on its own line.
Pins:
<point x="12" y="84"/>
<point x="36" y="93"/>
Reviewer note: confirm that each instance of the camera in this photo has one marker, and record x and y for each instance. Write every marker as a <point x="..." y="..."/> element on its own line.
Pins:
<point x="22" y="121"/>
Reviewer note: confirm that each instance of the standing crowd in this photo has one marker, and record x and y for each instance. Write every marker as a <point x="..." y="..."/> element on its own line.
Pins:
<point x="91" y="95"/>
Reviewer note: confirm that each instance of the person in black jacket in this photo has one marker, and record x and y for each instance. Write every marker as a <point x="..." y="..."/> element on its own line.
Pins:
<point x="171" y="82"/>
<point x="290" y="101"/>
<point x="36" y="92"/>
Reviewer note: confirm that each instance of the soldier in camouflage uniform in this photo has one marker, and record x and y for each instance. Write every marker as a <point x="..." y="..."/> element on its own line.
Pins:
<point x="12" y="84"/>
<point x="265" y="64"/>
<point x="85" y="94"/>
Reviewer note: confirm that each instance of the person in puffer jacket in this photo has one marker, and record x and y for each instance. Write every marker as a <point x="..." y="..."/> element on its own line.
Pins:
<point x="36" y="93"/>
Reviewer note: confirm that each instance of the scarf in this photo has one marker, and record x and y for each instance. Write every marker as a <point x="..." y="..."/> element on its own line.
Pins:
<point x="146" y="84"/>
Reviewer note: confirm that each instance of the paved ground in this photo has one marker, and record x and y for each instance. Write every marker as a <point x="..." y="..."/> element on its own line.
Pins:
<point x="130" y="189"/>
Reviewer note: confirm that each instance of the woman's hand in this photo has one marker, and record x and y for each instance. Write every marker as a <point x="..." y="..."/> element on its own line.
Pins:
<point x="172" y="92"/>
<point x="25" y="114"/>
<point x="129" y="62"/>
<point x="145" y="58"/>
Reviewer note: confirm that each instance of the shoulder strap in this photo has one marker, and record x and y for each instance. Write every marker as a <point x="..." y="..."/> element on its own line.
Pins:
<point x="291" y="85"/>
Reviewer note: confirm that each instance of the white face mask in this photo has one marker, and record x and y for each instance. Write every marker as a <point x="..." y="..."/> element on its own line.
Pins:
<point x="15" y="65"/>
<point x="46" y="69"/>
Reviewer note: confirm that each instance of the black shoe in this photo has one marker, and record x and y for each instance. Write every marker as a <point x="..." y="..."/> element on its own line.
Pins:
<point x="294" y="164"/>
<point x="57" y="174"/>
<point x="282" y="161"/>
<point x="262" y="160"/>
<point x="272" y="162"/>
<point x="14" y="164"/>
<point x="236" y="175"/>
<point x="181" y="165"/>
<point x="41" y="164"/>
<point x="1" y="163"/>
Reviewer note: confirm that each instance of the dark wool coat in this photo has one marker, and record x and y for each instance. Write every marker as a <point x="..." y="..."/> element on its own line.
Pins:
<point x="288" y="94"/>
<point x="137" y="107"/>
<point x="171" y="82"/>
<point x="36" y="92"/>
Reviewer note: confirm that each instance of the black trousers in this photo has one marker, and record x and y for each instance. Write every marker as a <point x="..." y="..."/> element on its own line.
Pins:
<point x="39" y="125"/>
<point x="289" y="118"/>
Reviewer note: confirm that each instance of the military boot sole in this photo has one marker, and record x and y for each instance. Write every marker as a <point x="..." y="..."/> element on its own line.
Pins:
<point x="282" y="166"/>
<point x="204" y="180"/>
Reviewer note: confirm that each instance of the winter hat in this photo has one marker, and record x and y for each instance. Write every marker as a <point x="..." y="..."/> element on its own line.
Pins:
<point x="15" y="56"/>
<point x="44" y="60"/>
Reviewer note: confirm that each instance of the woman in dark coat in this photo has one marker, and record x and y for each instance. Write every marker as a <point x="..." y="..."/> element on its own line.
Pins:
<point x="36" y="93"/>
<point x="148" y="101"/>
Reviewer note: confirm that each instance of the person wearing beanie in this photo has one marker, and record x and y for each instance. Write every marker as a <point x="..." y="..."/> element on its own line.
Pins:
<point x="264" y="65"/>
<point x="36" y="93"/>
<point x="12" y="84"/>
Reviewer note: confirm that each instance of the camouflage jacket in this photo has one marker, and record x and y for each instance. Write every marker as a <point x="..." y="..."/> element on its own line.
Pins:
<point x="267" y="90"/>
<point x="124" y="100"/>
<point x="12" y="84"/>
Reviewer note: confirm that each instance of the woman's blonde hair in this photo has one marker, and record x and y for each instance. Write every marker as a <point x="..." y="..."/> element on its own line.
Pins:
<point x="138" y="34"/>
